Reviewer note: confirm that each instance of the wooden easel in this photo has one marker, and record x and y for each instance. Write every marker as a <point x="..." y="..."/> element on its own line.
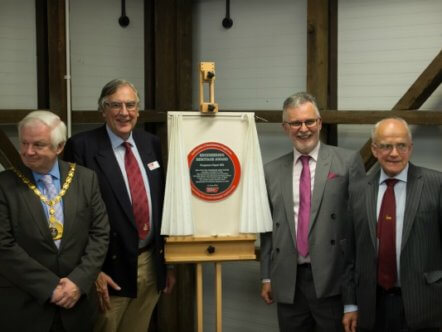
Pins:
<point x="207" y="75"/>
<point x="216" y="249"/>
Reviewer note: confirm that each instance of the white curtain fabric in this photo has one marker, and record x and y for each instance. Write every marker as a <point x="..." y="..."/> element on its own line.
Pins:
<point x="255" y="216"/>
<point x="177" y="211"/>
<point x="255" y="209"/>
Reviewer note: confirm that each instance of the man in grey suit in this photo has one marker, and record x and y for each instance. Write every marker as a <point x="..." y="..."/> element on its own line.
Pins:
<point x="54" y="235"/>
<point x="393" y="279"/>
<point x="301" y="259"/>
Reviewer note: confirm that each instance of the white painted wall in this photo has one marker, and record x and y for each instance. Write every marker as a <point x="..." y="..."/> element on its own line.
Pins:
<point x="18" y="62"/>
<point x="102" y="50"/>
<point x="384" y="45"/>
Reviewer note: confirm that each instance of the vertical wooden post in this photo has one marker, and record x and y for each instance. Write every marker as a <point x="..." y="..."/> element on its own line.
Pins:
<point x="168" y="86"/>
<point x="41" y="22"/>
<point x="199" y="296"/>
<point x="219" y="297"/>
<point x="322" y="58"/>
<point x="57" y="58"/>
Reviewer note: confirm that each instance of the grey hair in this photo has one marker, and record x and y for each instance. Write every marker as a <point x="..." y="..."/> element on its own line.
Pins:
<point x="298" y="99"/>
<point x="51" y="120"/>
<point x="377" y="124"/>
<point x="111" y="87"/>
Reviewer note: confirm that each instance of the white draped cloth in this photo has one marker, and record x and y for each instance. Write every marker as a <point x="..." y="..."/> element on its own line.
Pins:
<point x="255" y="209"/>
<point x="177" y="210"/>
<point x="255" y="216"/>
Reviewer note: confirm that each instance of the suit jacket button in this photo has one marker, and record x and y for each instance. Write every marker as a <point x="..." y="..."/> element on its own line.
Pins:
<point x="114" y="257"/>
<point x="332" y="242"/>
<point x="333" y="216"/>
<point x="114" y="234"/>
<point x="277" y="250"/>
<point x="277" y="224"/>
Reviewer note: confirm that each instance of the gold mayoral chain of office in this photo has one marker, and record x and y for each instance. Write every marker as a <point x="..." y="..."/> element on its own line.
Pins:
<point x="55" y="226"/>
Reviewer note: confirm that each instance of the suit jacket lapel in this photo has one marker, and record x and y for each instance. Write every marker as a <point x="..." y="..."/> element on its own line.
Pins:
<point x="109" y="165"/>
<point x="286" y="184"/>
<point x="321" y="172"/>
<point x="69" y="200"/>
<point x="34" y="205"/>
<point x="413" y="195"/>
<point x="371" y="199"/>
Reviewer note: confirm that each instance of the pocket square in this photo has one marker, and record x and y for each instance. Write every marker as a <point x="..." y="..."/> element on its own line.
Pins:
<point x="331" y="175"/>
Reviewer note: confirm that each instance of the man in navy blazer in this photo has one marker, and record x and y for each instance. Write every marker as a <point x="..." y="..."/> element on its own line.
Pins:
<point x="134" y="273"/>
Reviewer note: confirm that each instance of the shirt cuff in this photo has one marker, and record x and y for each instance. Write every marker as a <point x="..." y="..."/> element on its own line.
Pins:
<point x="264" y="281"/>
<point x="350" y="308"/>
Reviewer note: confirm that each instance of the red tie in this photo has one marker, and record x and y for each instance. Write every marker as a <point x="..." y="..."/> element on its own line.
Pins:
<point x="140" y="205"/>
<point x="387" y="273"/>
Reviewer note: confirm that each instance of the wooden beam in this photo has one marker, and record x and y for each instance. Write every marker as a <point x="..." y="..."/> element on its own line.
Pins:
<point x="8" y="153"/>
<point x="426" y="118"/>
<point x="57" y="58"/>
<point x="317" y="50"/>
<point x="423" y="87"/>
<point x="149" y="54"/>
<point x="172" y="65"/>
<point x="322" y="58"/>
<point x="415" y="96"/>
<point x="41" y="22"/>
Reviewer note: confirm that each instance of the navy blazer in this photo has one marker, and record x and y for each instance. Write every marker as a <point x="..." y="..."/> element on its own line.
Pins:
<point x="93" y="149"/>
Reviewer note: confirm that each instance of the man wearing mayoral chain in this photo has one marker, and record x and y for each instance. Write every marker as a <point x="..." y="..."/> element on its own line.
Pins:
<point x="53" y="234"/>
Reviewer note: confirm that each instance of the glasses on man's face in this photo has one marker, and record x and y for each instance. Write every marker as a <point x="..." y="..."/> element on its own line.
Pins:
<point x="388" y="148"/>
<point x="309" y="123"/>
<point x="117" y="106"/>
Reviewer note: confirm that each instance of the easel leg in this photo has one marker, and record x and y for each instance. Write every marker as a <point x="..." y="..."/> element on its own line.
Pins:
<point x="219" y="294"/>
<point x="199" y="296"/>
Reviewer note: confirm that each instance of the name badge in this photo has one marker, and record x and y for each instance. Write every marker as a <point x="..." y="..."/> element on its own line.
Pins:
<point x="153" y="165"/>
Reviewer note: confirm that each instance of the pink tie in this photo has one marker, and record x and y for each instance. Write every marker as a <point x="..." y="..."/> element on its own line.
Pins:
<point x="304" y="207"/>
<point x="140" y="206"/>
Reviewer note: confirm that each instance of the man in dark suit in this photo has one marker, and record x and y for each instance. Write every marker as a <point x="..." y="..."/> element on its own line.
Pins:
<point x="301" y="262"/>
<point x="134" y="272"/>
<point x="393" y="279"/>
<point x="53" y="235"/>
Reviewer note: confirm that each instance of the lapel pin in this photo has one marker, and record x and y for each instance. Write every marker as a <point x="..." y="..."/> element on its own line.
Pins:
<point x="153" y="165"/>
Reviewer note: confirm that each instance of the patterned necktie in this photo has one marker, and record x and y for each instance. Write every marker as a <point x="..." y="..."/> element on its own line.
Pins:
<point x="51" y="192"/>
<point x="386" y="229"/>
<point x="304" y="207"/>
<point x="140" y="205"/>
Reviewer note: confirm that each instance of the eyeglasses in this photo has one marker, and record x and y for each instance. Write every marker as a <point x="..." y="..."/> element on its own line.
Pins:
<point x="117" y="106"/>
<point x="309" y="123"/>
<point x="387" y="148"/>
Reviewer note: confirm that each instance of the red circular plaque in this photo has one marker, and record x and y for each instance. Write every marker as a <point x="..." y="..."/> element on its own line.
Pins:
<point x="214" y="171"/>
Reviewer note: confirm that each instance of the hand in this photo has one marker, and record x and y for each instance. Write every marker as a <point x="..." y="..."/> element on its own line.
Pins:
<point x="66" y="294"/>
<point x="57" y="294"/>
<point x="266" y="292"/>
<point x="102" y="283"/>
<point x="170" y="281"/>
<point x="350" y="321"/>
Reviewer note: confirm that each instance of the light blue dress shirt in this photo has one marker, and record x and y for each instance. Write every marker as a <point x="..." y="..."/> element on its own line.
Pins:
<point x="55" y="173"/>
<point x="56" y="179"/>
